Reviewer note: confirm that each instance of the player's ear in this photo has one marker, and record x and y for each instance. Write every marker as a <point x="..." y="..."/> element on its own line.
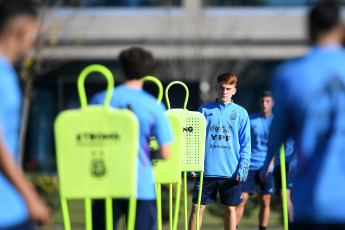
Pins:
<point x="235" y="90"/>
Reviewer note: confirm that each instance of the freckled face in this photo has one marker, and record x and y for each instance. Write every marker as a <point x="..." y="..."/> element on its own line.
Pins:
<point x="225" y="92"/>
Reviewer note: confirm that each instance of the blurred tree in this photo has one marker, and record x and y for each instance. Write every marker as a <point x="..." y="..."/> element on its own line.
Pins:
<point x="34" y="67"/>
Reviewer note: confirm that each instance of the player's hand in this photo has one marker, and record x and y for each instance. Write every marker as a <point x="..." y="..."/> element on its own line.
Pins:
<point x="263" y="179"/>
<point x="38" y="210"/>
<point x="193" y="174"/>
<point x="238" y="177"/>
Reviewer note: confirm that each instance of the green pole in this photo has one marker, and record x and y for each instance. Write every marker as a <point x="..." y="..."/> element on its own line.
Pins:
<point x="170" y="207"/>
<point x="109" y="213"/>
<point x="199" y="199"/>
<point x="177" y="205"/>
<point x="65" y="214"/>
<point x="159" y="207"/>
<point x="88" y="214"/>
<point x="131" y="213"/>
<point x="283" y="178"/>
<point x="185" y="199"/>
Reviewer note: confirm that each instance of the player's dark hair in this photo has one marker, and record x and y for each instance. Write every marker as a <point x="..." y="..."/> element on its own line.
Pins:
<point x="10" y="9"/>
<point x="228" y="78"/>
<point x="136" y="63"/>
<point x="266" y="93"/>
<point x="323" y="17"/>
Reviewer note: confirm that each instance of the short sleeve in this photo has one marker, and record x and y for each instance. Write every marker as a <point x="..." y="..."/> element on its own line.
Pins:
<point x="162" y="129"/>
<point x="97" y="99"/>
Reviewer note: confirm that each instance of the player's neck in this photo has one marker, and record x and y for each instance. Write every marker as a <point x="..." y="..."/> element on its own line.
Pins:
<point x="267" y="114"/>
<point x="135" y="83"/>
<point x="329" y="39"/>
<point x="220" y="101"/>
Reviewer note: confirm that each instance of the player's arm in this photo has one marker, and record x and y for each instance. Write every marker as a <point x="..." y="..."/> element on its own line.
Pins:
<point x="245" y="147"/>
<point x="165" y="151"/>
<point x="265" y="170"/>
<point x="279" y="130"/>
<point x="163" y="132"/>
<point x="37" y="208"/>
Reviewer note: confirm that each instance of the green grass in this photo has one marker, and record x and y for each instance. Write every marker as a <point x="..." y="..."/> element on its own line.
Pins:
<point x="210" y="221"/>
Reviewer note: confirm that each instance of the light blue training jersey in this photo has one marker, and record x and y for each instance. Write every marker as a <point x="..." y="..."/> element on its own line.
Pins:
<point x="259" y="130"/>
<point x="152" y="122"/>
<point x="289" y="152"/>
<point x="227" y="148"/>
<point x="13" y="209"/>
<point x="309" y="97"/>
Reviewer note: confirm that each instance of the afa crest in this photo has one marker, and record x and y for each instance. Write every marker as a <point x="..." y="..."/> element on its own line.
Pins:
<point x="233" y="115"/>
<point x="98" y="168"/>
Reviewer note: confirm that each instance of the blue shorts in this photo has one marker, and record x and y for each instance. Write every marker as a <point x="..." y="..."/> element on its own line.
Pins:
<point x="145" y="219"/>
<point x="278" y="180"/>
<point x="253" y="179"/>
<point x="23" y="226"/>
<point x="229" y="191"/>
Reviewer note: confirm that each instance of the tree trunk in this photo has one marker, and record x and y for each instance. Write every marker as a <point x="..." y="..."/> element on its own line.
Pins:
<point x="24" y="127"/>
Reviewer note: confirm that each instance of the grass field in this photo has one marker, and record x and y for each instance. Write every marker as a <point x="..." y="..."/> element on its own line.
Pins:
<point x="210" y="221"/>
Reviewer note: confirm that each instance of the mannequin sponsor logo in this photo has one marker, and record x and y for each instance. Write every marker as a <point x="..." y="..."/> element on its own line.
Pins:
<point x="223" y="129"/>
<point x="188" y="129"/>
<point x="210" y="115"/>
<point x="220" y="137"/>
<point x="219" y="147"/>
<point x="83" y="138"/>
<point x="96" y="136"/>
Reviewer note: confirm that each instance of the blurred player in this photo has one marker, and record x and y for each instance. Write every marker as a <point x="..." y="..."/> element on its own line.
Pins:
<point x="309" y="95"/>
<point x="135" y="64"/>
<point x="19" y="200"/>
<point x="259" y="127"/>
<point x="290" y="168"/>
<point x="227" y="152"/>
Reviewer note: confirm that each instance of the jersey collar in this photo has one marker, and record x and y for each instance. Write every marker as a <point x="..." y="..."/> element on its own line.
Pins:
<point x="223" y="104"/>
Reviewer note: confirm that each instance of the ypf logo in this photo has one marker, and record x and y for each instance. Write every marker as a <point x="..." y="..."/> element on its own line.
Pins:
<point x="188" y="129"/>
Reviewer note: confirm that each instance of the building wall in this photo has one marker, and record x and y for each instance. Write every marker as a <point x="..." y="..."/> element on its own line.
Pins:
<point x="187" y="31"/>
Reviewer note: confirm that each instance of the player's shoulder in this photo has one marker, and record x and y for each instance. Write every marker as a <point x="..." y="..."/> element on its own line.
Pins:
<point x="140" y="95"/>
<point x="210" y="105"/>
<point x="239" y="108"/>
<point x="289" y="65"/>
<point x="148" y="98"/>
<point x="98" y="98"/>
<point x="150" y="102"/>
